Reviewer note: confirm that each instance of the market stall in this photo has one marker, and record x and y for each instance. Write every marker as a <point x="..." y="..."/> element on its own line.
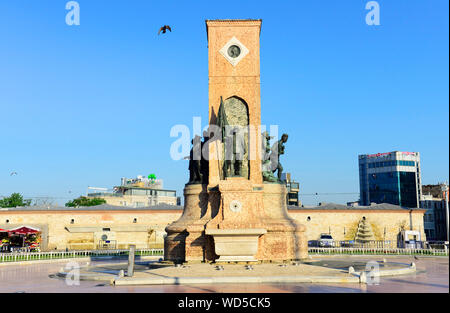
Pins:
<point x="24" y="239"/>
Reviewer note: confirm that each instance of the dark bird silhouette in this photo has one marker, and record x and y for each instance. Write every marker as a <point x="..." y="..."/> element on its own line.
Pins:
<point x="416" y="258"/>
<point x="164" y="29"/>
<point x="13" y="173"/>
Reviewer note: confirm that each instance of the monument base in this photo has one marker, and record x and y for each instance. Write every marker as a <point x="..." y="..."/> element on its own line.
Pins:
<point x="236" y="245"/>
<point x="186" y="240"/>
<point x="274" y="234"/>
<point x="285" y="238"/>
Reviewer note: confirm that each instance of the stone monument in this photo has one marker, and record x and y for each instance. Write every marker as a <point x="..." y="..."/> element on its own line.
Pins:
<point x="239" y="212"/>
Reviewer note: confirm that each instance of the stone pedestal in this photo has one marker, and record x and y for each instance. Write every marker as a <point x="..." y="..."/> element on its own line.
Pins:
<point x="238" y="224"/>
<point x="185" y="240"/>
<point x="285" y="238"/>
<point x="235" y="216"/>
<point x="246" y="207"/>
<point x="241" y="205"/>
<point x="236" y="245"/>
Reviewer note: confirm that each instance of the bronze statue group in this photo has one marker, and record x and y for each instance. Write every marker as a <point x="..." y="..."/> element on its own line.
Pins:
<point x="235" y="149"/>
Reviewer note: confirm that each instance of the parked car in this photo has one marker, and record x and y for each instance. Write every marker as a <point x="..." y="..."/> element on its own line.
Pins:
<point x="347" y="244"/>
<point x="326" y="240"/>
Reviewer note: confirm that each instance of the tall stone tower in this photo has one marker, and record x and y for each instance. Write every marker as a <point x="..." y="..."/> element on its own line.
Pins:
<point x="234" y="216"/>
<point x="233" y="51"/>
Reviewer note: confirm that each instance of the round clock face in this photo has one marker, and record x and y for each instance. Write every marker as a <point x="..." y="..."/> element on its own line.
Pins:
<point x="235" y="206"/>
<point x="234" y="51"/>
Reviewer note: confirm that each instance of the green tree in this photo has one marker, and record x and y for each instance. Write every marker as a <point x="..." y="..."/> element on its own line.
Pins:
<point x="16" y="199"/>
<point x="83" y="201"/>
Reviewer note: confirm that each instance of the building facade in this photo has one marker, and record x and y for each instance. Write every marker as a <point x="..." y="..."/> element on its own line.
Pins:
<point x="435" y="218"/>
<point x="293" y="189"/>
<point x="138" y="192"/>
<point x="392" y="177"/>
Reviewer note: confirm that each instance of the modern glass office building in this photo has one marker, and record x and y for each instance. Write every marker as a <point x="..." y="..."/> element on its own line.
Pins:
<point x="392" y="177"/>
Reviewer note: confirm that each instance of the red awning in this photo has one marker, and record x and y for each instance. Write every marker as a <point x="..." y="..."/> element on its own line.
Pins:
<point x="24" y="231"/>
<point x="3" y="230"/>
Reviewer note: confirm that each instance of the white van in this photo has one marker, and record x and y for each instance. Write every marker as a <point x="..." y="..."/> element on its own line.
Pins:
<point x="326" y="240"/>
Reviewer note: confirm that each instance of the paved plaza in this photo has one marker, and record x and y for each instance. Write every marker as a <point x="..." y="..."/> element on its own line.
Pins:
<point x="431" y="276"/>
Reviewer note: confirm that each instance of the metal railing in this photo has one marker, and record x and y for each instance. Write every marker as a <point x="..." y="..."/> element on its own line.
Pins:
<point x="377" y="251"/>
<point x="436" y="244"/>
<point x="352" y="244"/>
<point x="53" y="255"/>
<point x="105" y="194"/>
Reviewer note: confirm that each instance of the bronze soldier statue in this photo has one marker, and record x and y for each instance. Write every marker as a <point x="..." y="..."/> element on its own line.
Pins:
<point x="265" y="158"/>
<point x="204" y="162"/>
<point x="234" y="144"/>
<point x="234" y="151"/>
<point x="277" y="150"/>
<point x="195" y="176"/>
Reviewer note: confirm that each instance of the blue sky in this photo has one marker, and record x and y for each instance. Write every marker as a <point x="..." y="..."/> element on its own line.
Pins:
<point x="85" y="105"/>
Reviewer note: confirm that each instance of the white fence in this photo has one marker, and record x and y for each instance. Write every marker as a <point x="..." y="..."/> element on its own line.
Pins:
<point x="18" y="257"/>
<point x="30" y="256"/>
<point x="368" y="251"/>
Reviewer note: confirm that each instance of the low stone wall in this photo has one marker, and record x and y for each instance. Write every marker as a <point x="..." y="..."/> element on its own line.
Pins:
<point x="79" y="230"/>
<point x="342" y="224"/>
<point x="147" y="231"/>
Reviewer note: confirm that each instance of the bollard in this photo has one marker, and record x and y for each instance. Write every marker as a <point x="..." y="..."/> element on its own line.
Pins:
<point x="363" y="278"/>
<point x="130" y="270"/>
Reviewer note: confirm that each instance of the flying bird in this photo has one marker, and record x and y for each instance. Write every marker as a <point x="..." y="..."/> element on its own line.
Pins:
<point x="13" y="173"/>
<point x="164" y="29"/>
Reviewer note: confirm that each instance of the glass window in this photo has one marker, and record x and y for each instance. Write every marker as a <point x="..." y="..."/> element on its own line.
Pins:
<point x="383" y="188"/>
<point x="139" y="192"/>
<point x="408" y="189"/>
